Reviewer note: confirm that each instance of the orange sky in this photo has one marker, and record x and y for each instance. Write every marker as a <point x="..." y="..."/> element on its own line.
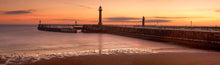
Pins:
<point x="166" y="12"/>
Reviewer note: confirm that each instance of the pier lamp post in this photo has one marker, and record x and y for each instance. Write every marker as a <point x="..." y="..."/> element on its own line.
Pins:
<point x="191" y="23"/>
<point x="75" y="22"/>
<point x="40" y="22"/>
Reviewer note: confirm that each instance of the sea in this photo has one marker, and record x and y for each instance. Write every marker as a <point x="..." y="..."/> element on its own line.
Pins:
<point x="22" y="43"/>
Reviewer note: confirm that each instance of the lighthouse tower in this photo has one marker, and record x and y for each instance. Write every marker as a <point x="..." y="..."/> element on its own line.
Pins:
<point x="143" y="21"/>
<point x="100" y="15"/>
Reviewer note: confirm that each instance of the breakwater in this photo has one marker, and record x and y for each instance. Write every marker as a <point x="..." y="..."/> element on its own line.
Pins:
<point x="60" y="28"/>
<point x="190" y="38"/>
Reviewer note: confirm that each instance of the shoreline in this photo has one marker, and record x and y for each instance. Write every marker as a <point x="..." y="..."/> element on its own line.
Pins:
<point x="136" y="59"/>
<point x="24" y="59"/>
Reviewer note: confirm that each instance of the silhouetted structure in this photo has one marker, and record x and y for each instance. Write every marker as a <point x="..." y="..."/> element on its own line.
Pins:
<point x="68" y="28"/>
<point x="40" y="22"/>
<point x="100" y="15"/>
<point x="143" y="21"/>
<point x="100" y="44"/>
<point x="76" y="22"/>
<point x="190" y="38"/>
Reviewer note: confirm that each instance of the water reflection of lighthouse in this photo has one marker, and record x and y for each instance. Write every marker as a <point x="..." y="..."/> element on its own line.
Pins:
<point x="100" y="35"/>
<point x="100" y="43"/>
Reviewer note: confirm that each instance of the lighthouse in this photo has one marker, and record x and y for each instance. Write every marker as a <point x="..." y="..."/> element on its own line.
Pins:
<point x="143" y="21"/>
<point x="100" y="15"/>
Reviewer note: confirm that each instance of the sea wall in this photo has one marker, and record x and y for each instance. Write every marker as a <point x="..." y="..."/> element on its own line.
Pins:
<point x="57" y="28"/>
<point x="193" y="38"/>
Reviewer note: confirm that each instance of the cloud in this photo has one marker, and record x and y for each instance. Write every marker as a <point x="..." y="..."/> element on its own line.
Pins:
<point x="84" y="6"/>
<point x="177" y="17"/>
<point x="121" y="19"/>
<point x="88" y="4"/>
<point x="171" y="17"/>
<point x="155" y="20"/>
<point x="64" y="19"/>
<point x="2" y="12"/>
<point x="18" y="12"/>
<point x="132" y="19"/>
<point x="217" y="10"/>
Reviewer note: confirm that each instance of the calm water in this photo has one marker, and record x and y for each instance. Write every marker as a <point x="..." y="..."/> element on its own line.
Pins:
<point x="27" y="40"/>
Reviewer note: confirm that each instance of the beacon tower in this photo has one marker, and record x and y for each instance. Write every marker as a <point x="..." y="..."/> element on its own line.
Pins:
<point x="100" y="15"/>
<point x="143" y="21"/>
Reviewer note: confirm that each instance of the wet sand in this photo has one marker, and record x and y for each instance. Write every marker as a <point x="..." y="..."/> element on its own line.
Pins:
<point x="210" y="58"/>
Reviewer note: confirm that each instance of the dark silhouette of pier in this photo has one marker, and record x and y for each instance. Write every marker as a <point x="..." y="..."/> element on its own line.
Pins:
<point x="61" y="27"/>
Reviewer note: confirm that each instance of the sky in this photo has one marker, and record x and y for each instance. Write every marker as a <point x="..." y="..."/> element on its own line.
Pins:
<point x="123" y="12"/>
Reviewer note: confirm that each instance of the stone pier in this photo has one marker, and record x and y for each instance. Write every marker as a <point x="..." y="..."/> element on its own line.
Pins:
<point x="187" y="37"/>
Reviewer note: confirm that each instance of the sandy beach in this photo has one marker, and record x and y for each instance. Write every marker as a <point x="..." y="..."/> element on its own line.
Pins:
<point x="211" y="58"/>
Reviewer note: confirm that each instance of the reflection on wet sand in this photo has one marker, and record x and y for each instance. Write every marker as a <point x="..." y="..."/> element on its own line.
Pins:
<point x="137" y="59"/>
<point x="20" y="59"/>
<point x="100" y="43"/>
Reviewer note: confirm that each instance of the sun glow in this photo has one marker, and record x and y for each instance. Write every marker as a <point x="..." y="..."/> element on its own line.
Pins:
<point x="179" y="12"/>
